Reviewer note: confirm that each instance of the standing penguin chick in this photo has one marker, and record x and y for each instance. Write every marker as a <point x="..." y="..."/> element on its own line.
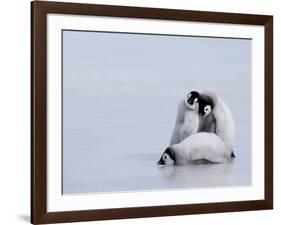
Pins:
<point x="203" y="145"/>
<point x="222" y="118"/>
<point x="187" y="120"/>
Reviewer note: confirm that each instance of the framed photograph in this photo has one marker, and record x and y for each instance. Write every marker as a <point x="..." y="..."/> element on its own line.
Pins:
<point x="144" y="112"/>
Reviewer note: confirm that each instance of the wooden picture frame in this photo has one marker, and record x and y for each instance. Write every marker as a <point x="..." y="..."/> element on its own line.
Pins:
<point x="39" y="12"/>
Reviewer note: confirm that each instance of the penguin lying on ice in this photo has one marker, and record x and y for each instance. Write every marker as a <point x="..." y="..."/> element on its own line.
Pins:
<point x="203" y="145"/>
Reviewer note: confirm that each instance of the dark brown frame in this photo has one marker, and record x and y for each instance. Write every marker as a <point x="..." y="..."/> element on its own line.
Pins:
<point x="39" y="11"/>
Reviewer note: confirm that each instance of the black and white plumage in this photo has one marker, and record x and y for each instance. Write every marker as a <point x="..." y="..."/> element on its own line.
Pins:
<point x="221" y="119"/>
<point x="214" y="140"/>
<point x="187" y="120"/>
<point x="207" y="120"/>
<point x="203" y="145"/>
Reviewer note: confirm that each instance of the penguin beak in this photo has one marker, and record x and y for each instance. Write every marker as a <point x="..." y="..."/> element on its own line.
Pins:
<point x="189" y="101"/>
<point x="160" y="162"/>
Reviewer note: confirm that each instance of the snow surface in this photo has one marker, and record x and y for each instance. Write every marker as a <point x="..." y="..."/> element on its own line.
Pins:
<point x="120" y="96"/>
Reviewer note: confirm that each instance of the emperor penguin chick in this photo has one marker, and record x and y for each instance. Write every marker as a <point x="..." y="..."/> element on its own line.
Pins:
<point x="219" y="121"/>
<point x="198" y="146"/>
<point x="187" y="120"/>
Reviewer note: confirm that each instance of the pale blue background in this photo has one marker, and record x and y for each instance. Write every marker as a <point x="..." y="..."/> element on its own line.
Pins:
<point x="120" y="96"/>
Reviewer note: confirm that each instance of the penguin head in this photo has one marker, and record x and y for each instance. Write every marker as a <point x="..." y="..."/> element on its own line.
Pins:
<point x="167" y="158"/>
<point x="191" y="99"/>
<point x="206" y="105"/>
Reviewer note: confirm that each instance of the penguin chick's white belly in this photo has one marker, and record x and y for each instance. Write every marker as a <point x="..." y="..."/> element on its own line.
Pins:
<point x="199" y="146"/>
<point x="186" y="123"/>
<point x="190" y="124"/>
<point x="225" y="127"/>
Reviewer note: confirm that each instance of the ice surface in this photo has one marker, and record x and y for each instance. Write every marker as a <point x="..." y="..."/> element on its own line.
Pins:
<point x="120" y="96"/>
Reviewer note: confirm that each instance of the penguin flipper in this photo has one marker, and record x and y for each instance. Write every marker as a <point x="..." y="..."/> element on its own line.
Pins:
<point x="232" y="154"/>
